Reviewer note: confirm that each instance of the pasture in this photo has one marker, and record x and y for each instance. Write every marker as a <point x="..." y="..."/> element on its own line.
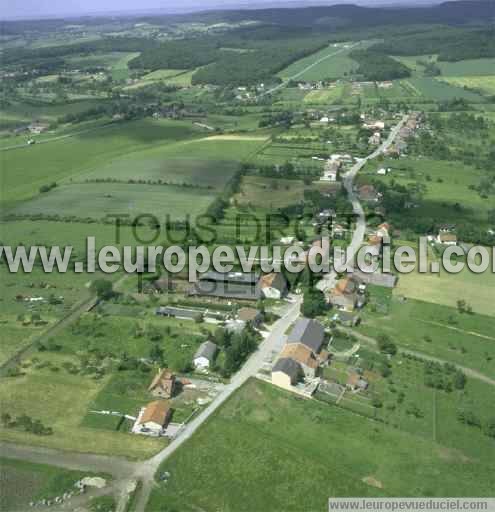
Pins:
<point x="335" y="66"/>
<point x="437" y="90"/>
<point x="26" y="169"/>
<point x="265" y="449"/>
<point x="100" y="200"/>
<point x="486" y="84"/>
<point x="437" y="330"/>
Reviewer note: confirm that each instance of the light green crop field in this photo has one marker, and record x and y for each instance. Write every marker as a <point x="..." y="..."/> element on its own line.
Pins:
<point x="446" y="289"/>
<point x="484" y="83"/>
<point x="325" y="95"/>
<point x="23" y="482"/>
<point x="265" y="449"/>
<point x="336" y="66"/>
<point x="119" y="69"/>
<point x="468" y="67"/>
<point x="98" y="200"/>
<point x="435" y="89"/>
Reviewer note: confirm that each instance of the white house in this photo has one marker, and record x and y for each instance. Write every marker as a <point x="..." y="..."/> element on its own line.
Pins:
<point x="205" y="355"/>
<point x="273" y="286"/>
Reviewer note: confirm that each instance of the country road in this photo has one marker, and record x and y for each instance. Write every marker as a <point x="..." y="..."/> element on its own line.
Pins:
<point x="307" y="68"/>
<point x="360" y="230"/>
<point x="124" y="471"/>
<point x="270" y="346"/>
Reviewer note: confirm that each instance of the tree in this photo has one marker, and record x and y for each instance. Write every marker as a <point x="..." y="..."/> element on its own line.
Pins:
<point x="314" y="303"/>
<point x="386" y="345"/>
<point x="102" y="288"/>
<point x="459" y="380"/>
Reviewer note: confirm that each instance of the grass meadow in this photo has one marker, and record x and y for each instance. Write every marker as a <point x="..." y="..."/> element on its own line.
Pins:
<point x="334" y="67"/>
<point x="249" y="454"/>
<point x="23" y="482"/>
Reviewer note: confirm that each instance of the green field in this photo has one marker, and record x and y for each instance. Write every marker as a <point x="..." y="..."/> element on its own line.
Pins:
<point x="22" y="482"/>
<point x="24" y="170"/>
<point x="483" y="83"/>
<point x="337" y="66"/>
<point x="469" y="67"/>
<point x="325" y="95"/>
<point x="99" y="200"/>
<point x="268" y="450"/>
<point x="437" y="90"/>
<point x="437" y="330"/>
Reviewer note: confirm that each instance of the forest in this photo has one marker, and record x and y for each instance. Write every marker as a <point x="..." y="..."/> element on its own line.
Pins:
<point x="451" y="44"/>
<point x="376" y="66"/>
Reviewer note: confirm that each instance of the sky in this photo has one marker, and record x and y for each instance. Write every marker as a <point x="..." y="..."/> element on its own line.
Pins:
<point x="43" y="8"/>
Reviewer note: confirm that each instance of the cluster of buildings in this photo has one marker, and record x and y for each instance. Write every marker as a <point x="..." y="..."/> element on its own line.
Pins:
<point x="302" y="355"/>
<point x="408" y="130"/>
<point x="241" y="285"/>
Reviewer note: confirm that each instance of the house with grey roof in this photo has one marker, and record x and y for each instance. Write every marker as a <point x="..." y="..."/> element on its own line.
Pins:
<point x="205" y="355"/>
<point x="286" y="373"/>
<point x="308" y="332"/>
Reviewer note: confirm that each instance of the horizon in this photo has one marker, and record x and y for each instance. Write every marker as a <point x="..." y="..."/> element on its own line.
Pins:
<point x="59" y="9"/>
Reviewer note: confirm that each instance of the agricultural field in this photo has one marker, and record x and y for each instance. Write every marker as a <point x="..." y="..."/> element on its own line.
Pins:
<point x="486" y="84"/>
<point x="325" y="96"/>
<point x="100" y="200"/>
<point x="337" y="65"/>
<point x="28" y="168"/>
<point x="434" y="89"/>
<point x="23" y="482"/>
<point x="261" y="428"/>
<point x="436" y="330"/>
<point x="469" y="67"/>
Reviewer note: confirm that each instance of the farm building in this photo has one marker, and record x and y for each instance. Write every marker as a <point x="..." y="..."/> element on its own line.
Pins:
<point x="286" y="373"/>
<point x="153" y="419"/>
<point x="274" y="285"/>
<point x="163" y="385"/>
<point x="205" y="355"/>
<point x="228" y="285"/>
<point x="386" y="280"/>
<point x="307" y="332"/>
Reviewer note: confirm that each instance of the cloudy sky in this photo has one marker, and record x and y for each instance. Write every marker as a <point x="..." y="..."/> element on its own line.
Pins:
<point x="38" y="8"/>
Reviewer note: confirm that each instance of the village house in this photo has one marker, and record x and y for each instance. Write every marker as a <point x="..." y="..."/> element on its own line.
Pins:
<point x="205" y="355"/>
<point x="286" y="373"/>
<point x="163" y="385"/>
<point x="36" y="128"/>
<point x="347" y="295"/>
<point x="304" y="356"/>
<point x="331" y="170"/>
<point x="273" y="286"/>
<point x="250" y="316"/>
<point x="308" y="332"/>
<point x="368" y="193"/>
<point x="383" y="230"/>
<point x="153" y="419"/>
<point x="375" y="139"/>
<point x="356" y="383"/>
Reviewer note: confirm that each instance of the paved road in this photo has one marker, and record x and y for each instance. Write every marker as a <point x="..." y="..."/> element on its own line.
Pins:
<point x="307" y="68"/>
<point x="360" y="230"/>
<point x="271" y="345"/>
